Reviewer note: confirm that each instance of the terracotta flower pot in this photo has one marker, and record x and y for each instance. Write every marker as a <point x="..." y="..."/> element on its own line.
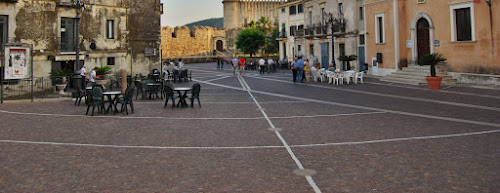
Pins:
<point x="434" y="82"/>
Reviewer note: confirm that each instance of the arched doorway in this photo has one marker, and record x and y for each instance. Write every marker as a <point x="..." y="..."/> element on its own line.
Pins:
<point x="423" y="38"/>
<point x="219" y="45"/>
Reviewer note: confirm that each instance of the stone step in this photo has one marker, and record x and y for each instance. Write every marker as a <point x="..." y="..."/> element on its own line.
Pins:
<point x="404" y="80"/>
<point x="407" y="76"/>
<point x="418" y="67"/>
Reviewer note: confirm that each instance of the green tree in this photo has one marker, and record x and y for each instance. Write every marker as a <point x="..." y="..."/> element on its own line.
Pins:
<point x="272" y="45"/>
<point x="250" y="41"/>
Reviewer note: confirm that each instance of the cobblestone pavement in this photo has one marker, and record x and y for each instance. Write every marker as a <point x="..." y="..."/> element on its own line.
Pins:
<point x="260" y="133"/>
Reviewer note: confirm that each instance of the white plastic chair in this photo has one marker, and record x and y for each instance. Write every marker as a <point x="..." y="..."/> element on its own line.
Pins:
<point x="359" y="76"/>
<point x="322" y="74"/>
<point x="348" y="75"/>
<point x="330" y="76"/>
<point x="338" y="78"/>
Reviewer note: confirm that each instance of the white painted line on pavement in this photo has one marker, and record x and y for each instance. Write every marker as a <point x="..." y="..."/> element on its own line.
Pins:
<point x="223" y="77"/>
<point x="443" y="91"/>
<point x="393" y="96"/>
<point x="297" y="161"/>
<point x="366" y="108"/>
<point x="131" y="146"/>
<point x="401" y="139"/>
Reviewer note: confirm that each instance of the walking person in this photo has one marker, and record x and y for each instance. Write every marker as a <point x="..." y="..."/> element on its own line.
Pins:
<point x="300" y="70"/>
<point x="270" y="64"/>
<point x="235" y="64"/>
<point x="262" y="65"/>
<point x="293" y="66"/>
<point x="307" y="67"/>
<point x="93" y="76"/>
<point x="218" y="63"/>
<point x="222" y="60"/>
<point x="242" y="66"/>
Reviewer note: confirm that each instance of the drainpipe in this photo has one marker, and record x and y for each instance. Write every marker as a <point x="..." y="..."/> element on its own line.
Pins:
<point x="396" y="34"/>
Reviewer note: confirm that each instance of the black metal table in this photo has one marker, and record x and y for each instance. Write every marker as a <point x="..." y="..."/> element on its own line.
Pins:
<point x="182" y="96"/>
<point x="112" y="100"/>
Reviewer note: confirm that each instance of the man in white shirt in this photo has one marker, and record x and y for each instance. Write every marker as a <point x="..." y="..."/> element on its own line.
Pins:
<point x="262" y="65"/>
<point x="235" y="64"/>
<point x="270" y="65"/>
<point x="93" y="75"/>
<point x="83" y="71"/>
<point x="181" y="65"/>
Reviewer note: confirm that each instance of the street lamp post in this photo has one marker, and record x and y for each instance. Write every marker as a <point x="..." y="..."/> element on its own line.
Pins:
<point x="330" y="19"/>
<point x="78" y="5"/>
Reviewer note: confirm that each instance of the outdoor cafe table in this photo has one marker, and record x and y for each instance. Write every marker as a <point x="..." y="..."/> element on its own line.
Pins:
<point x="154" y="87"/>
<point x="112" y="100"/>
<point x="182" y="96"/>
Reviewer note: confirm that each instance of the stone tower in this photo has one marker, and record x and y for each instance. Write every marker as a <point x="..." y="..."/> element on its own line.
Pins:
<point x="231" y="13"/>
<point x="238" y="13"/>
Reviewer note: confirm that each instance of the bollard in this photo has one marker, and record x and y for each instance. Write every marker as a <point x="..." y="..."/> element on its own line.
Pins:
<point x="124" y="80"/>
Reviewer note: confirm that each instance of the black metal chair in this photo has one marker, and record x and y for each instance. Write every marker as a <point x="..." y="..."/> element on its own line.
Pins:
<point x="138" y="85"/>
<point x="168" y="89"/>
<point x="78" y="91"/>
<point x="184" y="75"/>
<point x="96" y="99"/>
<point x="195" y="94"/>
<point x="127" y="99"/>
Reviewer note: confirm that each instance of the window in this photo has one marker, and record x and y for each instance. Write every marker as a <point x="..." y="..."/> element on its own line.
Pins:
<point x="379" y="28"/>
<point x="4" y="30"/>
<point x="462" y="22"/>
<point x="323" y="22"/>
<point x="341" y="8"/>
<point x="299" y="48"/>
<point x="300" y="8"/>
<point x="310" y="18"/>
<point x="311" y="49"/>
<point x="361" y="14"/>
<point x="300" y="27"/>
<point x="110" y="29"/>
<point x="292" y="30"/>
<point x="111" y="61"/>
<point x="293" y="10"/>
<point x="283" y="10"/>
<point x="361" y="39"/>
<point x="67" y="34"/>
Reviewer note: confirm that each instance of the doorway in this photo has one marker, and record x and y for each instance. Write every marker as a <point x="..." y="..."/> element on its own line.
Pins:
<point x="324" y="55"/>
<point x="423" y="38"/>
<point x="219" y="45"/>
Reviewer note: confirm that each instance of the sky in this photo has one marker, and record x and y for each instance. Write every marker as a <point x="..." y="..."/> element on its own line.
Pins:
<point x="180" y="12"/>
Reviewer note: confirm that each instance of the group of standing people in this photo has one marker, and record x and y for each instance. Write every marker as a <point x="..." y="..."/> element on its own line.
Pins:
<point x="300" y="70"/>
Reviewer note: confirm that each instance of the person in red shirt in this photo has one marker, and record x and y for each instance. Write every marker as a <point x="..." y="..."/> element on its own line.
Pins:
<point x="242" y="66"/>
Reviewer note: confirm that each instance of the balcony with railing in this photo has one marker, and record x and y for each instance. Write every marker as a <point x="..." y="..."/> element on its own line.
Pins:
<point x="320" y="31"/>
<point x="300" y="33"/>
<point x="339" y="28"/>
<point x="282" y="35"/>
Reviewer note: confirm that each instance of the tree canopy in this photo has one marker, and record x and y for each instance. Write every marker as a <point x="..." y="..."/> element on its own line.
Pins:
<point x="250" y="41"/>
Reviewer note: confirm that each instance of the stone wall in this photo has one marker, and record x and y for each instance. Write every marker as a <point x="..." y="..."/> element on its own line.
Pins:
<point x="185" y="42"/>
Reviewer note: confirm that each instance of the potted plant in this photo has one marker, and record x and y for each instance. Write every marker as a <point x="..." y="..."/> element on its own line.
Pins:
<point x="60" y="79"/>
<point x="101" y="71"/>
<point x="434" y="59"/>
<point x="348" y="59"/>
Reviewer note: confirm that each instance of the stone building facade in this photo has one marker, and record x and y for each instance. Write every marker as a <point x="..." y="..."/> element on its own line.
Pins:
<point x="109" y="30"/>
<point x="182" y="41"/>
<point x="400" y="32"/>
<point x="306" y="32"/>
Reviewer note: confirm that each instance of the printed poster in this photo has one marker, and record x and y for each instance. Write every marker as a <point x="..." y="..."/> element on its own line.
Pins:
<point x="17" y="63"/>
